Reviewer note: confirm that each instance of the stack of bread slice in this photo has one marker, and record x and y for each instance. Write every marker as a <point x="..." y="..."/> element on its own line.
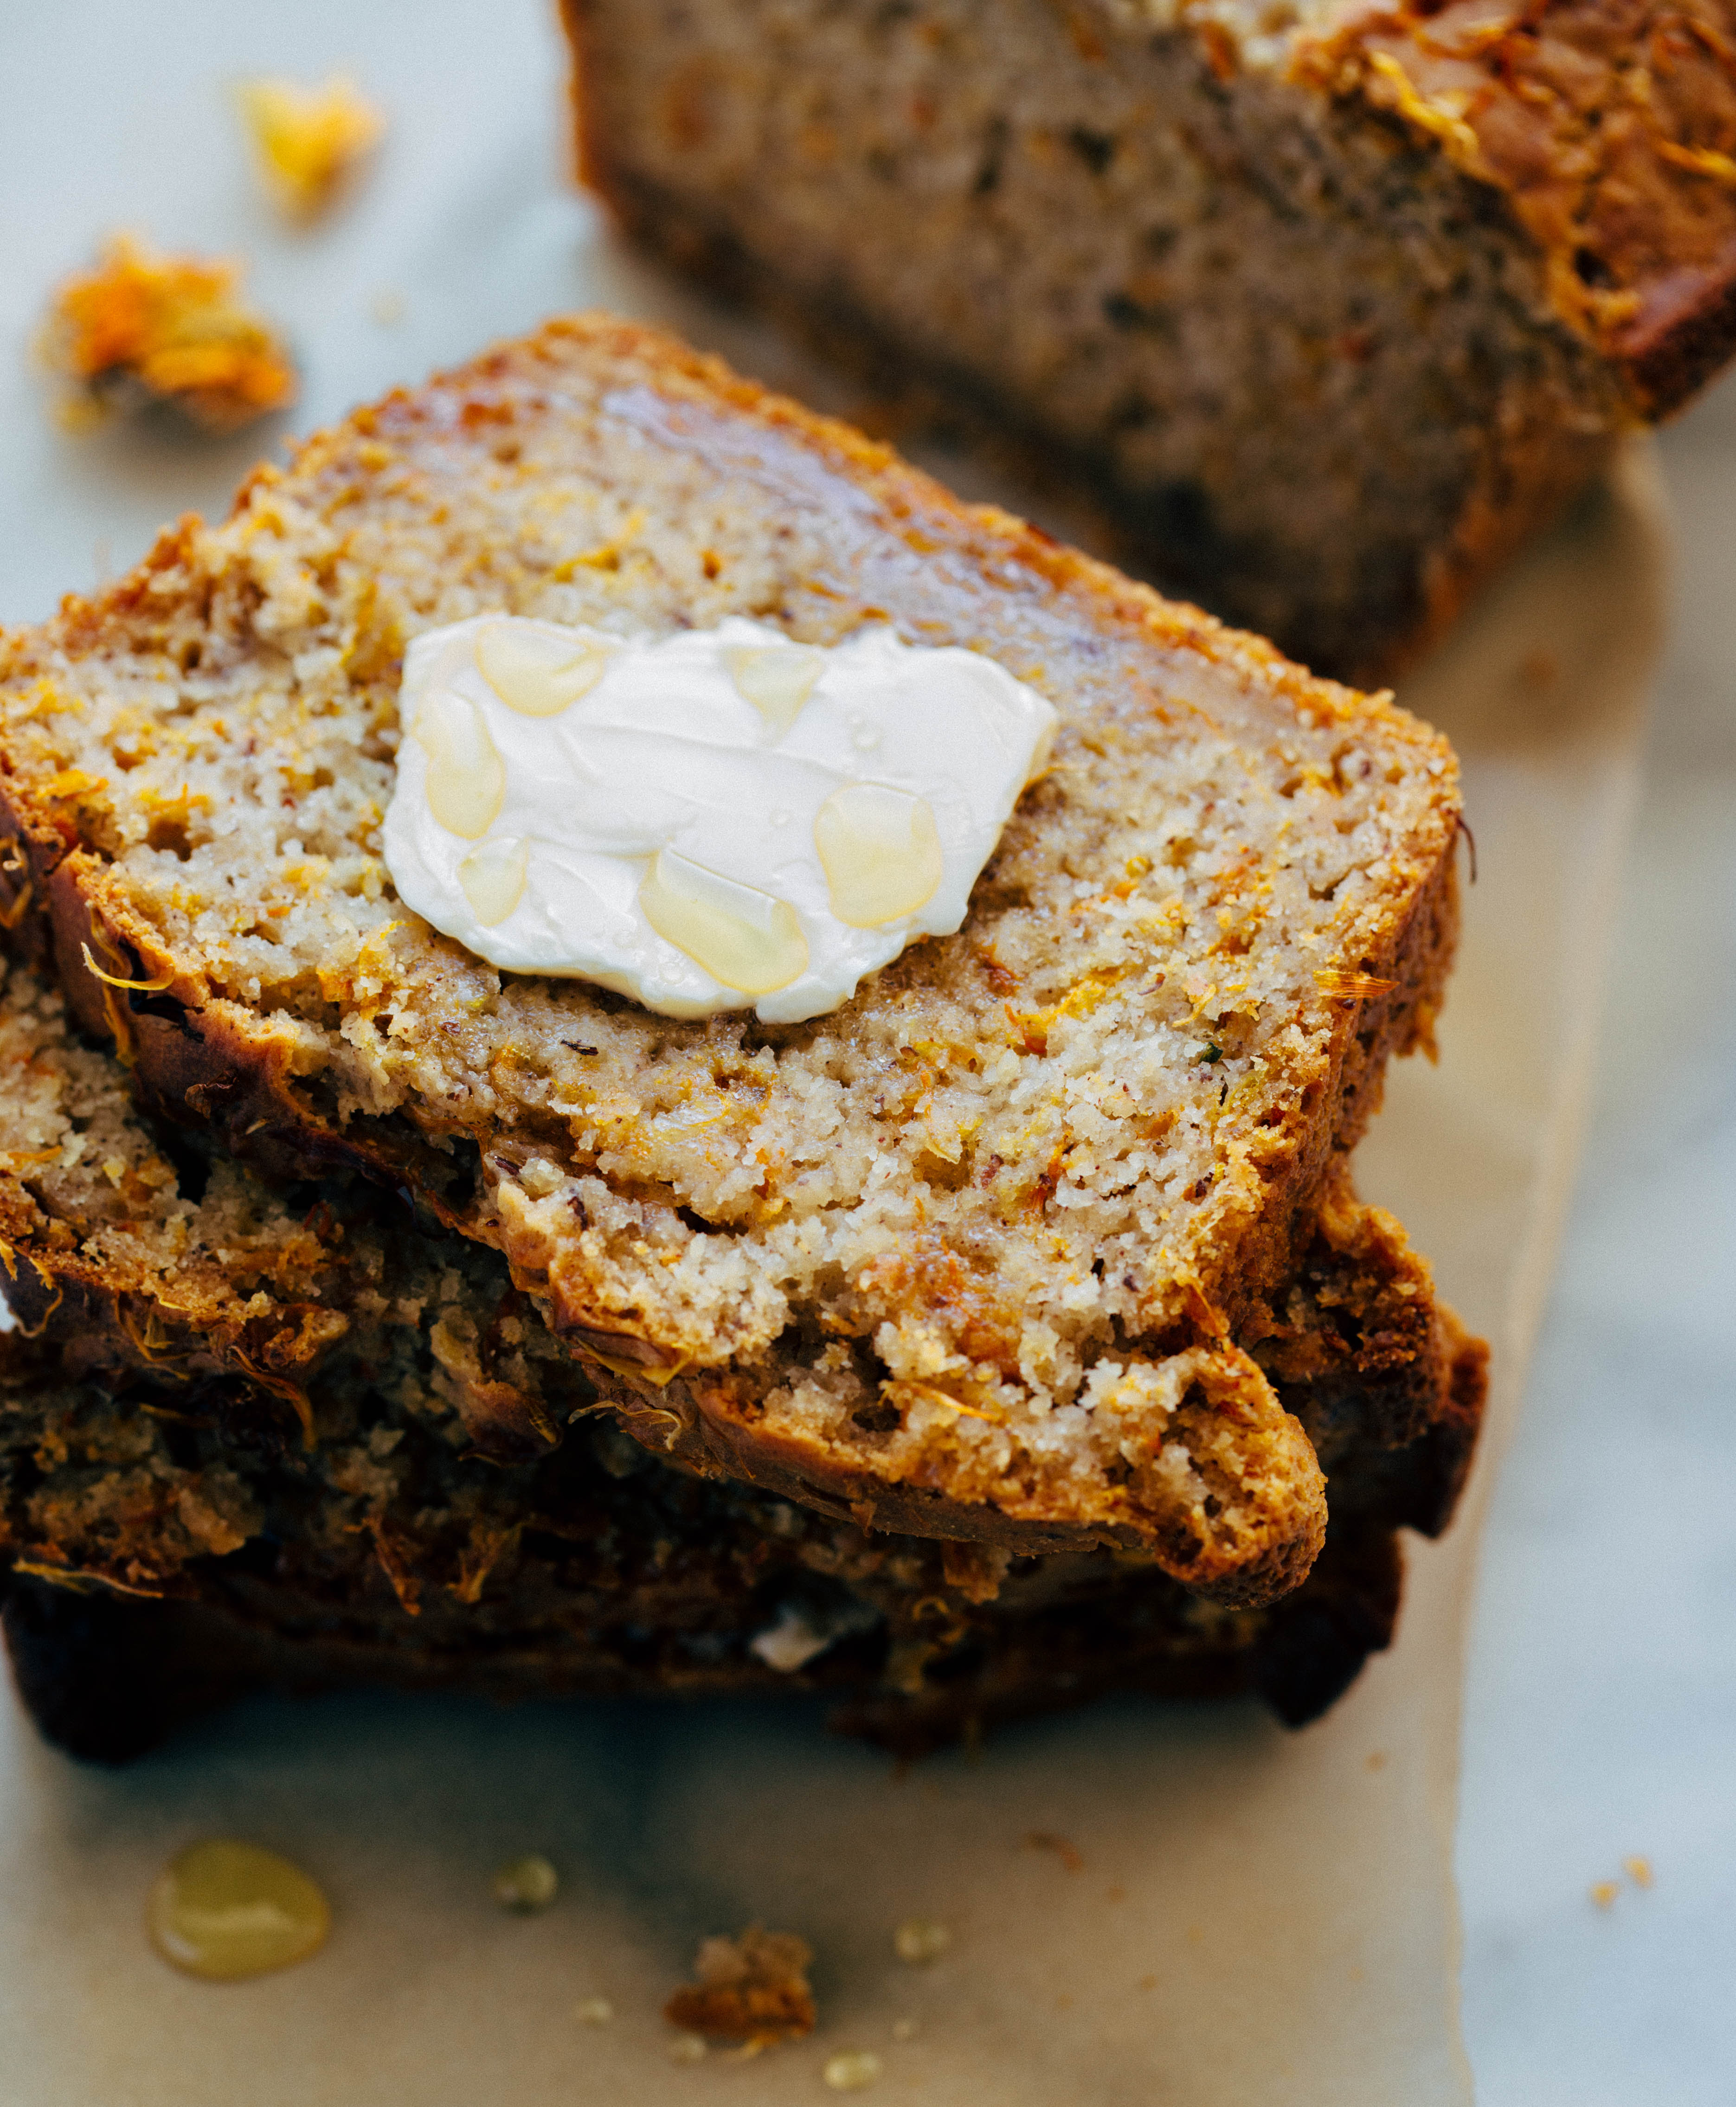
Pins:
<point x="1008" y="1333"/>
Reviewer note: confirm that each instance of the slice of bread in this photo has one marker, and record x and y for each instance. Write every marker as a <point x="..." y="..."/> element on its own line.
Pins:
<point x="974" y="1255"/>
<point x="1328" y="306"/>
<point x="253" y="1436"/>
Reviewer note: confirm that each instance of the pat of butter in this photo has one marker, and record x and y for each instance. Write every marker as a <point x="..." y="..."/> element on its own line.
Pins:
<point x="714" y="820"/>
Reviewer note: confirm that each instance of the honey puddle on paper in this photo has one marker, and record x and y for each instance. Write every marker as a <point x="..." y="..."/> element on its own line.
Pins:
<point x="224" y="1911"/>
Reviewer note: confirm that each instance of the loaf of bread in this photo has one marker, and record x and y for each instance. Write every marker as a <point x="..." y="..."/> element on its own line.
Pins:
<point x="251" y="1436"/>
<point x="982" y="1254"/>
<point x="1328" y="305"/>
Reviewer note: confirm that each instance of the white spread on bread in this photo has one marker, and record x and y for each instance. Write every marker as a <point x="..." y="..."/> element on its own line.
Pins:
<point x="714" y="820"/>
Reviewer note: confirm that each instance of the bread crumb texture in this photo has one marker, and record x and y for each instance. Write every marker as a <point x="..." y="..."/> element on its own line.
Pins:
<point x="967" y="1257"/>
<point x="753" y="1988"/>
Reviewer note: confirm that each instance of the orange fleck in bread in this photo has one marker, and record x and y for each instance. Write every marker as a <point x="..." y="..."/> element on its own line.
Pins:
<point x="978" y="1255"/>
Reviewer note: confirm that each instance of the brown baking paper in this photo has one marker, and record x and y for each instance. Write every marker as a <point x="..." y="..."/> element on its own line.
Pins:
<point x="1218" y="1911"/>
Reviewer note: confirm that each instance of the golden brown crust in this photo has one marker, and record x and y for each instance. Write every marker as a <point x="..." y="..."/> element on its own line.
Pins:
<point x="1609" y="126"/>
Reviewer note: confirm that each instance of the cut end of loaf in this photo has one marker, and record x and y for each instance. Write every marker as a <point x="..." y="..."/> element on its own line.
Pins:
<point x="1325" y="313"/>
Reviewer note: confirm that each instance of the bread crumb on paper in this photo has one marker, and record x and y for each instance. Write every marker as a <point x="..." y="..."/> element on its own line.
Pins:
<point x="1604" y="1893"/>
<point x="145" y="327"/>
<point x="309" y="141"/>
<point x="751" y="1988"/>
<point x="1639" y="1871"/>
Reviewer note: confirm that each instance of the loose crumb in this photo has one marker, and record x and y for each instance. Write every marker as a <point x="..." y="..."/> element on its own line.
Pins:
<point x="309" y="140"/>
<point x="1118" y="1893"/>
<point x="753" y="1987"/>
<point x="921" y="1939"/>
<point x="594" y="2011"/>
<point x="526" y="1885"/>
<point x="144" y="328"/>
<point x="1045" y="1839"/>
<point x="1639" y="1871"/>
<point x="1378" y="1761"/>
<point x="686" y="2048"/>
<point x="1148" y="1982"/>
<point x="852" y="2069"/>
<point x="903" y="2030"/>
<point x="1604" y="1893"/>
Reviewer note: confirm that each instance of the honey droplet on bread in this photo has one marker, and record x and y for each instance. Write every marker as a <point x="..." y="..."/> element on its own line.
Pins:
<point x="493" y="880"/>
<point x="467" y="781"/>
<point x="537" y="674"/>
<point x="224" y="1910"/>
<point x="880" y="850"/>
<point x="776" y="680"/>
<point x="749" y="940"/>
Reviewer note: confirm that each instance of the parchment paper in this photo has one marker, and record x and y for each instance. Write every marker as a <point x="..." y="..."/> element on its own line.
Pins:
<point x="1255" y="1916"/>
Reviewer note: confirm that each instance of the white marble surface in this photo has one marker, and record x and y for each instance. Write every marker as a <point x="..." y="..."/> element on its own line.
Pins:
<point x="1601" y="1711"/>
